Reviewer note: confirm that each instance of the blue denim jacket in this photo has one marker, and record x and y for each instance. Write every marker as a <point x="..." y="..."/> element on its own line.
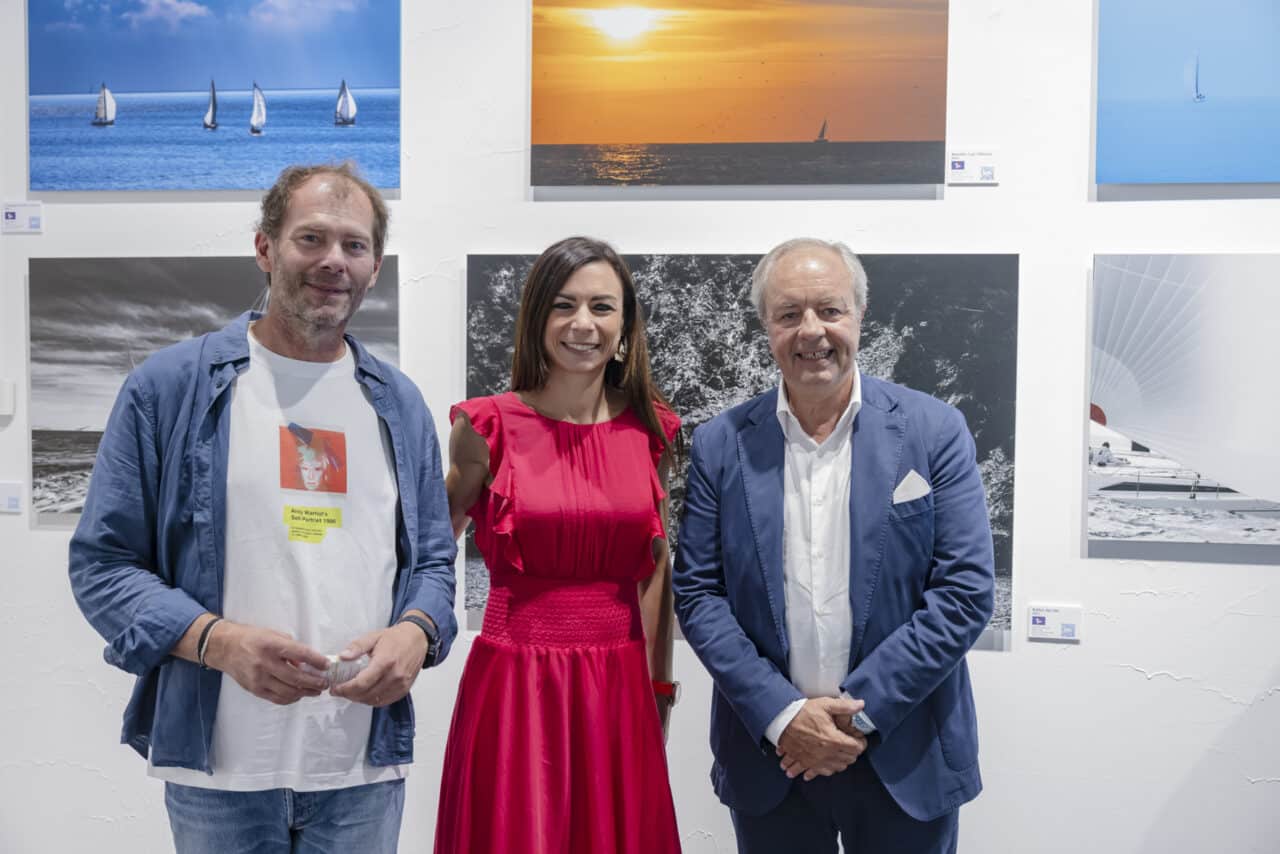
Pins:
<point x="147" y="557"/>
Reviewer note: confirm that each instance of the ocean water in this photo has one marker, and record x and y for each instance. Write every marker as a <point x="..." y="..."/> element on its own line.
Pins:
<point x="1177" y="141"/>
<point x="61" y="463"/>
<point x="729" y="164"/>
<point x="1207" y="522"/>
<point x="158" y="143"/>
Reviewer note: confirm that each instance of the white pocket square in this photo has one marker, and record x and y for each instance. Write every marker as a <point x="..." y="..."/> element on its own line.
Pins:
<point x="913" y="486"/>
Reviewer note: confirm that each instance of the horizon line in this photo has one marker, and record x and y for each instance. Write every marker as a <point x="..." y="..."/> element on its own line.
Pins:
<point x="203" y="91"/>
<point x="739" y="142"/>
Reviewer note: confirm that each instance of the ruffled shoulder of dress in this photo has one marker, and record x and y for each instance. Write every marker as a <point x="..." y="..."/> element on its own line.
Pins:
<point x="483" y="414"/>
<point x="486" y="417"/>
<point x="670" y="427"/>
<point x="668" y="419"/>
<point x="670" y="423"/>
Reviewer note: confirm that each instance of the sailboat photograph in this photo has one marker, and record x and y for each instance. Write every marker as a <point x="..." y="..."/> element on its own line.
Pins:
<point x="105" y="114"/>
<point x="259" y="116"/>
<point x="1175" y="106"/>
<point x="211" y="114"/>
<point x="344" y="113"/>
<point x="172" y="68"/>
<point x="822" y="134"/>
<point x="1182" y="460"/>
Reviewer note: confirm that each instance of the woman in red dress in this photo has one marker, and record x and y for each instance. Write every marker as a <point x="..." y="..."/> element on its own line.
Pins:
<point x="557" y="743"/>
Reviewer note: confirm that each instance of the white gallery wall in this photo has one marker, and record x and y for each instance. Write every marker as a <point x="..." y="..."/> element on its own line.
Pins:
<point x="1160" y="732"/>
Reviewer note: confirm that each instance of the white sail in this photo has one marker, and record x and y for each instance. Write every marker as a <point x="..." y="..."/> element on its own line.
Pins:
<point x="105" y="114"/>
<point x="345" y="111"/>
<point x="1184" y="352"/>
<point x="211" y="114"/>
<point x="259" y="117"/>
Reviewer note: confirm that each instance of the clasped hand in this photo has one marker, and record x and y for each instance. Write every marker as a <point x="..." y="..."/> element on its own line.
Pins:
<point x="266" y="663"/>
<point x="821" y="740"/>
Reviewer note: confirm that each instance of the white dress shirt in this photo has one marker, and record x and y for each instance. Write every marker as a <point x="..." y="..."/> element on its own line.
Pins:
<point x="815" y="555"/>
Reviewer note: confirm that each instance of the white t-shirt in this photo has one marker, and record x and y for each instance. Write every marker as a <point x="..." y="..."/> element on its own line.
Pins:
<point x="310" y="551"/>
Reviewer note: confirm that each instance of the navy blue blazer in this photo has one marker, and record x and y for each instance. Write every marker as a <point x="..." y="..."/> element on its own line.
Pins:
<point x="920" y="586"/>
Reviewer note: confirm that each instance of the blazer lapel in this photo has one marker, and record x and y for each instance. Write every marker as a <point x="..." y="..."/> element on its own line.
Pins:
<point x="762" y="460"/>
<point x="878" y="433"/>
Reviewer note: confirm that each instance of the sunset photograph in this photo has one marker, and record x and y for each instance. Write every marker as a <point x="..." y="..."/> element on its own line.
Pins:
<point x="709" y="92"/>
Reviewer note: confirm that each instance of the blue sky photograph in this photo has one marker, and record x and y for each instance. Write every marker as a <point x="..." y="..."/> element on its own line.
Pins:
<point x="179" y="45"/>
<point x="1188" y="92"/>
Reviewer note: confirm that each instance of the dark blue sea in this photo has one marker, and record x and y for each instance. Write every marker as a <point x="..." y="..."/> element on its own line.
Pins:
<point x="158" y="143"/>
<point x="729" y="164"/>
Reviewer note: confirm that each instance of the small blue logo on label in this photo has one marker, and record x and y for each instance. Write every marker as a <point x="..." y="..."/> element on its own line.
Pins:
<point x="33" y="222"/>
<point x="1068" y="630"/>
<point x="1037" y="621"/>
<point x="11" y="216"/>
<point x="957" y="164"/>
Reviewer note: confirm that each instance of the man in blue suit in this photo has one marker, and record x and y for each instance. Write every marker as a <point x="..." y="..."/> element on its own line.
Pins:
<point x="835" y="565"/>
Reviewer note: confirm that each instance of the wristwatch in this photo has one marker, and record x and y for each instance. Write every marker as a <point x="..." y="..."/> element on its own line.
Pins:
<point x="433" y="637"/>
<point x="667" y="689"/>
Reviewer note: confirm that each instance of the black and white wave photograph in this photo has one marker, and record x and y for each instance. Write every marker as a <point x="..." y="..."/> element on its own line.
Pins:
<point x="93" y="320"/>
<point x="943" y="324"/>
<point x="1183" y="462"/>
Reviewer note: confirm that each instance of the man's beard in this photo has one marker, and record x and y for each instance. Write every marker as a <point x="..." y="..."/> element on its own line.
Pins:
<point x="293" y="304"/>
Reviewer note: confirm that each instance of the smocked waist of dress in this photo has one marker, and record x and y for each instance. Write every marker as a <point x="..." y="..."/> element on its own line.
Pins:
<point x="561" y="612"/>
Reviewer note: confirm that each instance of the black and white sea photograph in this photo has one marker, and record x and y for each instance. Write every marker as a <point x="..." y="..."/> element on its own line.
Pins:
<point x="92" y="320"/>
<point x="1183" y="462"/>
<point x="943" y="324"/>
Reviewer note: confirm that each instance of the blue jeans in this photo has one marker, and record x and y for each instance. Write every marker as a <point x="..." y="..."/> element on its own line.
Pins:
<point x="281" y="821"/>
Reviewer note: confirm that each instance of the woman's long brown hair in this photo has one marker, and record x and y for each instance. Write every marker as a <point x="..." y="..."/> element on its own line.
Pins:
<point x="631" y="376"/>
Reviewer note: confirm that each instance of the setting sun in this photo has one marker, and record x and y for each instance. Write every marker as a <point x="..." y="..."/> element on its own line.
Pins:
<point x="624" y="24"/>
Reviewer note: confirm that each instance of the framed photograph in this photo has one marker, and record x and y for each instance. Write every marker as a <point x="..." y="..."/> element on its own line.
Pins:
<point x="210" y="95"/>
<point x="93" y="320"/>
<point x="1188" y="92"/>
<point x="942" y="324"/>
<point x="1183" y="462"/>
<point x="703" y="93"/>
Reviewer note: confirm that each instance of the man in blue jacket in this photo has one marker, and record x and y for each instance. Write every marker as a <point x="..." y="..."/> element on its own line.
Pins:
<point x="834" y="566"/>
<point x="266" y="516"/>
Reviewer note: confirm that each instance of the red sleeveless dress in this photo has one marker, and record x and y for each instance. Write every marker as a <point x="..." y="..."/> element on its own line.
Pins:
<point x="555" y="745"/>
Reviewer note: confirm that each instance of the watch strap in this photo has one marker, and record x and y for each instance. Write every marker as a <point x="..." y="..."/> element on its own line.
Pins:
<point x="670" y="690"/>
<point x="433" y="637"/>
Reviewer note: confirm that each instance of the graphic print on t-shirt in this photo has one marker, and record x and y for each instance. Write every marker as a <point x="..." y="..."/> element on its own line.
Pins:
<point x="313" y="460"/>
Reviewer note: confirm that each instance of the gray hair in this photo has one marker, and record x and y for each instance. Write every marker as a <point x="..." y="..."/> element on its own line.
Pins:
<point x="764" y="269"/>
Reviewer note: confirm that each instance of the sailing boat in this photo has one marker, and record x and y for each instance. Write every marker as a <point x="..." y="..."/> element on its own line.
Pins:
<point x="822" y="134"/>
<point x="1165" y="328"/>
<point x="1199" y="95"/>
<point x="259" y="117"/>
<point x="106" y="111"/>
<point x="211" y="114"/>
<point x="345" y="111"/>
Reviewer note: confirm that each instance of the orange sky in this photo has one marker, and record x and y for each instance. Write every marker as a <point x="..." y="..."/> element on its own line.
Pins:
<point x="746" y="71"/>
